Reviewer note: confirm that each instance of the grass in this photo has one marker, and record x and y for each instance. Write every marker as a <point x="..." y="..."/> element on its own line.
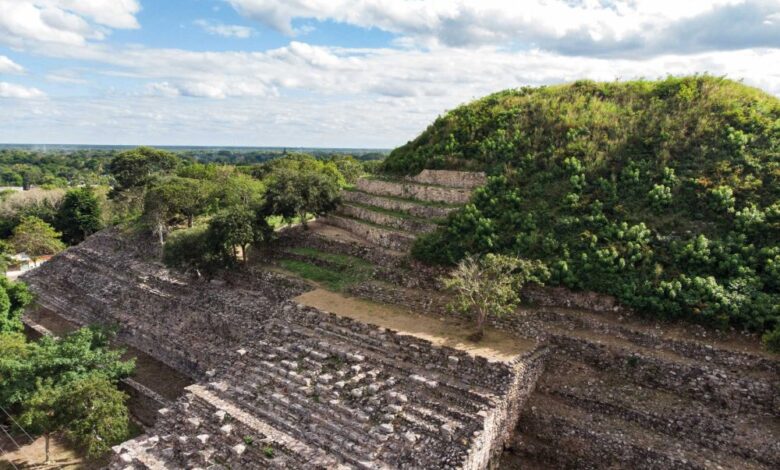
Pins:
<point x="343" y="270"/>
<point x="276" y="221"/>
<point x="342" y="261"/>
<point x="332" y="279"/>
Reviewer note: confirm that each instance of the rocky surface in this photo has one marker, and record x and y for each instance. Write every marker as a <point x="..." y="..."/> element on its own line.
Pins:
<point x="281" y="385"/>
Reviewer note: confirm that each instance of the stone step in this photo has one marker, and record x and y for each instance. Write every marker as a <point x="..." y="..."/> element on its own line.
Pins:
<point x="378" y="216"/>
<point x="562" y="436"/>
<point x="408" y="206"/>
<point x="409" y="190"/>
<point x="451" y="179"/>
<point x="382" y="236"/>
<point x="667" y="370"/>
<point x="657" y="337"/>
<point x="744" y="435"/>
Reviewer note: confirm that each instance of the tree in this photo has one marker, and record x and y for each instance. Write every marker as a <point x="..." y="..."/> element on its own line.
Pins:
<point x="349" y="167"/>
<point x="14" y="297"/>
<point x="490" y="285"/>
<point x="235" y="227"/>
<point x="179" y="196"/>
<point x="135" y="168"/>
<point x="36" y="238"/>
<point x="79" y="215"/>
<point x="296" y="193"/>
<point x="89" y="411"/>
<point x="66" y="385"/>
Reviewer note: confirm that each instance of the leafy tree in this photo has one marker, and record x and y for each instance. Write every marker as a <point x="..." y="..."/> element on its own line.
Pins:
<point x="490" y="285"/>
<point x="14" y="297"/>
<point x="235" y="227"/>
<point x="6" y="255"/>
<point x="36" y="238"/>
<point x="90" y="411"/>
<point x="349" y="167"/>
<point x="66" y="385"/>
<point x="135" y="168"/>
<point x="79" y="215"/>
<point x="296" y="193"/>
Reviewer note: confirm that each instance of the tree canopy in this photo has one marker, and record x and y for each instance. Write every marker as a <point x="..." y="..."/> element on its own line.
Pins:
<point x="79" y="215"/>
<point x="66" y="385"/>
<point x="490" y="285"/>
<point x="36" y="238"/>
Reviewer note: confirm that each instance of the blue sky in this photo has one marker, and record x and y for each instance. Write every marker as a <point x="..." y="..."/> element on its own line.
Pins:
<point x="367" y="73"/>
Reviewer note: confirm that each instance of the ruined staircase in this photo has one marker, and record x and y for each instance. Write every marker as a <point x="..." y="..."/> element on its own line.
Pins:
<point x="391" y="213"/>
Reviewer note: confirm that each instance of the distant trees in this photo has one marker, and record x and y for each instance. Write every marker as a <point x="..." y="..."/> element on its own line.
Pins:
<point x="66" y="386"/>
<point x="79" y="215"/>
<point x="135" y="168"/>
<point x="36" y="238"/>
<point x="490" y="285"/>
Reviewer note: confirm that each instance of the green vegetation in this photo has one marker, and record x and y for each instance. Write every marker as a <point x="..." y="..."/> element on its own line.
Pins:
<point x="66" y="386"/>
<point x="79" y="215"/>
<point x="490" y="285"/>
<point x="36" y="238"/>
<point x="14" y="297"/>
<point x="338" y="273"/>
<point x="665" y="194"/>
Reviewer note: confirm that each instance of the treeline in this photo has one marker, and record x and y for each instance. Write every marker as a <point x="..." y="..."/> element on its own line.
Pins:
<point x="67" y="168"/>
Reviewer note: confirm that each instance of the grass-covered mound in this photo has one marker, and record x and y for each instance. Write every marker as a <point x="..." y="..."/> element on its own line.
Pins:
<point x="665" y="194"/>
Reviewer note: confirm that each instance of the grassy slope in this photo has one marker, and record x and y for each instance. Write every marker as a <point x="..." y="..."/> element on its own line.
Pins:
<point x="614" y="183"/>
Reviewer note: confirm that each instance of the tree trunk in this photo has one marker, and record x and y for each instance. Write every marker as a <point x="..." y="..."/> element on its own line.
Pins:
<point x="480" y="333"/>
<point x="160" y="234"/>
<point x="302" y="218"/>
<point x="189" y="221"/>
<point x="245" y="252"/>
<point x="48" y="459"/>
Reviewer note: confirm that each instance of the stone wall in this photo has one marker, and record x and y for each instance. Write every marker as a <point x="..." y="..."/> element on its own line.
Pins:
<point x="451" y="179"/>
<point x="385" y="238"/>
<point x="412" y="208"/>
<point x="411" y="225"/>
<point x="414" y="191"/>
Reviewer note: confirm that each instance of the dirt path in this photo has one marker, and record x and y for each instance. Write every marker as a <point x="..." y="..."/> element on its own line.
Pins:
<point x="31" y="456"/>
<point x="495" y="346"/>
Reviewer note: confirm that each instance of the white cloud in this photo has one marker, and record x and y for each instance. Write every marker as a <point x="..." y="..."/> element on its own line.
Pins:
<point x="9" y="90"/>
<point x="72" y="22"/>
<point x="225" y="30"/>
<point x="9" y="66"/>
<point x="593" y="27"/>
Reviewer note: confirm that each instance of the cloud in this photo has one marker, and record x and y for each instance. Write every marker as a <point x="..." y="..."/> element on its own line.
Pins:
<point x="26" y="23"/>
<point x="9" y="90"/>
<point x="225" y="30"/>
<point x="9" y="66"/>
<point x="572" y="27"/>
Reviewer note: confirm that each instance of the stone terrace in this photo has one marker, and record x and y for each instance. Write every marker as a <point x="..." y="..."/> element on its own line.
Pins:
<point x="392" y="213"/>
<point x="280" y="385"/>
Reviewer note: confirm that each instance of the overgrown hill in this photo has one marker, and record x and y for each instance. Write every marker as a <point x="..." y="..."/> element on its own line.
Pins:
<point x="663" y="193"/>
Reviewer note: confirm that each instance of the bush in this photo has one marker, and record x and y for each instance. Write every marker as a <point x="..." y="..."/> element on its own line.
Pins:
<point x="772" y="340"/>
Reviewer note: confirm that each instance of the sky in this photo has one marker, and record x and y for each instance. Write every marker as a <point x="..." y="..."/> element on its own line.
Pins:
<point x="338" y="73"/>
